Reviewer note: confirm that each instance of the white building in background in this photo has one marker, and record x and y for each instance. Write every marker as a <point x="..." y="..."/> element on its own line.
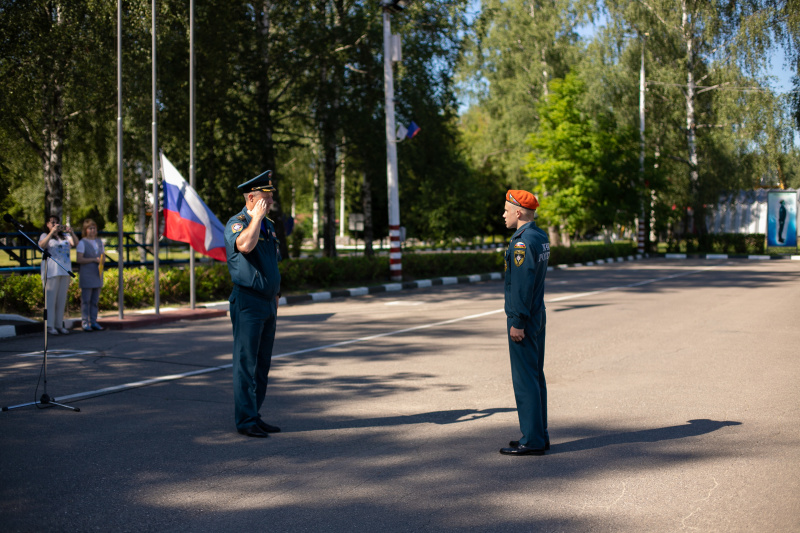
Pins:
<point x="742" y="212"/>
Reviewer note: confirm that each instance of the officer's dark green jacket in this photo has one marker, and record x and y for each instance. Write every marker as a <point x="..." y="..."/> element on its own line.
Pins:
<point x="526" y="267"/>
<point x="257" y="270"/>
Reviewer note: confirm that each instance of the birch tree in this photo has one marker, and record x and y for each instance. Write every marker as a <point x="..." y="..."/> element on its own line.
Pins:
<point x="54" y="67"/>
<point x="701" y="47"/>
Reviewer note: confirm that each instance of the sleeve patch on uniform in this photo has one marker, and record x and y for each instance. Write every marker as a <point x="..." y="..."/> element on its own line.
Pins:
<point x="237" y="227"/>
<point x="520" y="245"/>
<point x="519" y="256"/>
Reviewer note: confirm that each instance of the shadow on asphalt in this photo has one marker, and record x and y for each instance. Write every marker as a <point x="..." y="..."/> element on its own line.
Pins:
<point x="434" y="417"/>
<point x="694" y="428"/>
<point x="720" y="278"/>
<point x="573" y="307"/>
<point x="319" y="317"/>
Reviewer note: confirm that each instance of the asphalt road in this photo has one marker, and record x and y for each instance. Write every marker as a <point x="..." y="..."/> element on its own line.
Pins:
<point x="673" y="401"/>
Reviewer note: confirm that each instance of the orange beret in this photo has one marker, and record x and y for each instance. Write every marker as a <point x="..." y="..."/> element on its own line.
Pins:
<point x="522" y="199"/>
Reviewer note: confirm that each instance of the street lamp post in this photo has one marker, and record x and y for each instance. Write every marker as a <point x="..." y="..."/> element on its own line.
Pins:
<point x="120" y="191"/>
<point x="154" y="133"/>
<point x="192" y="288"/>
<point x="395" y="254"/>
<point x="640" y="242"/>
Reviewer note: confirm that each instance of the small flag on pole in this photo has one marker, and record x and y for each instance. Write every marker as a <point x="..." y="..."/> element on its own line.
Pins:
<point x="413" y="129"/>
<point x="187" y="218"/>
<point x="406" y="133"/>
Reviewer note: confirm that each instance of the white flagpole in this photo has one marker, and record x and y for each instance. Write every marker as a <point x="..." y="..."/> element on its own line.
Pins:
<point x="192" y="301"/>
<point x="155" y="165"/>
<point x="395" y="251"/>
<point x="120" y="191"/>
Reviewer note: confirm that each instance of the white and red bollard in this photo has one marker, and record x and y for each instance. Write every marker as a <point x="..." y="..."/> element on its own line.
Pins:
<point x="640" y="242"/>
<point x="395" y="255"/>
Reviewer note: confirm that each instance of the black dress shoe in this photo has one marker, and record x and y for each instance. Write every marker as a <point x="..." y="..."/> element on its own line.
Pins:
<point x="253" y="431"/>
<point x="515" y="443"/>
<point x="267" y="427"/>
<point x="522" y="450"/>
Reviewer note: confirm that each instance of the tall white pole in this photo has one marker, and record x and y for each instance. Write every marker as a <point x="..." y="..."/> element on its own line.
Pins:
<point x="395" y="255"/>
<point x="154" y="135"/>
<point x="120" y="191"/>
<point x="192" y="301"/>
<point x="641" y="238"/>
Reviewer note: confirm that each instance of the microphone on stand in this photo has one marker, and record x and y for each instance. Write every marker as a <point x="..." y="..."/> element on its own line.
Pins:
<point x="10" y="219"/>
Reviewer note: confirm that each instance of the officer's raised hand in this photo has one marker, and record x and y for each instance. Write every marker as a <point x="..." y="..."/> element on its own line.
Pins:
<point x="259" y="210"/>
<point x="258" y="204"/>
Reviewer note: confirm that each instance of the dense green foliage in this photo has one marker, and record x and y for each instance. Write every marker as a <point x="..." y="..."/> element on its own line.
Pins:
<point x="297" y="87"/>
<point x="293" y="86"/>
<point x="711" y="122"/>
<point x="585" y="159"/>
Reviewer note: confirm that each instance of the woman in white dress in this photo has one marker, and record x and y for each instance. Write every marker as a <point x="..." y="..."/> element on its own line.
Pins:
<point x="58" y="241"/>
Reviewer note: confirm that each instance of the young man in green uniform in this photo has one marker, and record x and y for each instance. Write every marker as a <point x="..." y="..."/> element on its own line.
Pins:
<point x="253" y="255"/>
<point x="526" y="267"/>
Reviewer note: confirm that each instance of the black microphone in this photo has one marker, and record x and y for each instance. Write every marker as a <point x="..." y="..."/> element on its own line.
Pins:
<point x="9" y="218"/>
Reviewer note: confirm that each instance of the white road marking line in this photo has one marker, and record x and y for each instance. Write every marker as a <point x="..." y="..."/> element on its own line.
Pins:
<point x="55" y="354"/>
<point x="387" y="334"/>
<point x="174" y="377"/>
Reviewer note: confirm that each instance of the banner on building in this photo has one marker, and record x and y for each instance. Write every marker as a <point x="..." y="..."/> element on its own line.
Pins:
<point x="782" y="219"/>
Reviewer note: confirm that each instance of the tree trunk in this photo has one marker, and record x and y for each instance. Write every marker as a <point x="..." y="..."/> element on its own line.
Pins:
<point x="267" y="128"/>
<point x="53" y="135"/>
<point x="566" y="238"/>
<point x="315" y="207"/>
<point x="53" y="145"/>
<point x="141" y="223"/>
<point x="342" y="191"/>
<point x="607" y="236"/>
<point x="329" y="167"/>
<point x="554" y="234"/>
<point x="366" y="202"/>
<point x="545" y="76"/>
<point x="691" y="129"/>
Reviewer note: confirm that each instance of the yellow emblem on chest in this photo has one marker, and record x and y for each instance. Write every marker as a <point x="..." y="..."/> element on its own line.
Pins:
<point x="519" y="256"/>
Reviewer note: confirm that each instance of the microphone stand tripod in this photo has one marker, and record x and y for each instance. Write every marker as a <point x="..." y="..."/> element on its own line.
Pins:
<point x="45" y="399"/>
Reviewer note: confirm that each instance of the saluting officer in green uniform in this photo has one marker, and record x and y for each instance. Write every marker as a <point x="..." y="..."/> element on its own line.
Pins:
<point x="253" y="255"/>
<point x="526" y="267"/>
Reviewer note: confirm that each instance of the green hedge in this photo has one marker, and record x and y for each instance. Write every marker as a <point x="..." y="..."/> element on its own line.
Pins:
<point x="723" y="243"/>
<point x="22" y="294"/>
<point x="583" y="253"/>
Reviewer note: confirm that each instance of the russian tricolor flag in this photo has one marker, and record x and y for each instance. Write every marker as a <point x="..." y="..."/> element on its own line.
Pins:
<point x="187" y="218"/>
<point x="413" y="129"/>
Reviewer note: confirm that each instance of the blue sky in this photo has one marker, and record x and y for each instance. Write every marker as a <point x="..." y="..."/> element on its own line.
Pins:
<point x="781" y="71"/>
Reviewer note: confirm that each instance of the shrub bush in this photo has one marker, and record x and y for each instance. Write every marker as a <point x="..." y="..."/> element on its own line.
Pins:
<point x="720" y="243"/>
<point x="21" y="294"/>
<point x="583" y="253"/>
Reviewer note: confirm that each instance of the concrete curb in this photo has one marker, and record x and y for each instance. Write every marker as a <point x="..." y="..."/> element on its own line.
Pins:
<point x="751" y="257"/>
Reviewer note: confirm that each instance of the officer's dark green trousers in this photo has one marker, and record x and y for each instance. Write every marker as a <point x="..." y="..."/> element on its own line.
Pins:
<point x="253" y="319"/>
<point x="527" y="375"/>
